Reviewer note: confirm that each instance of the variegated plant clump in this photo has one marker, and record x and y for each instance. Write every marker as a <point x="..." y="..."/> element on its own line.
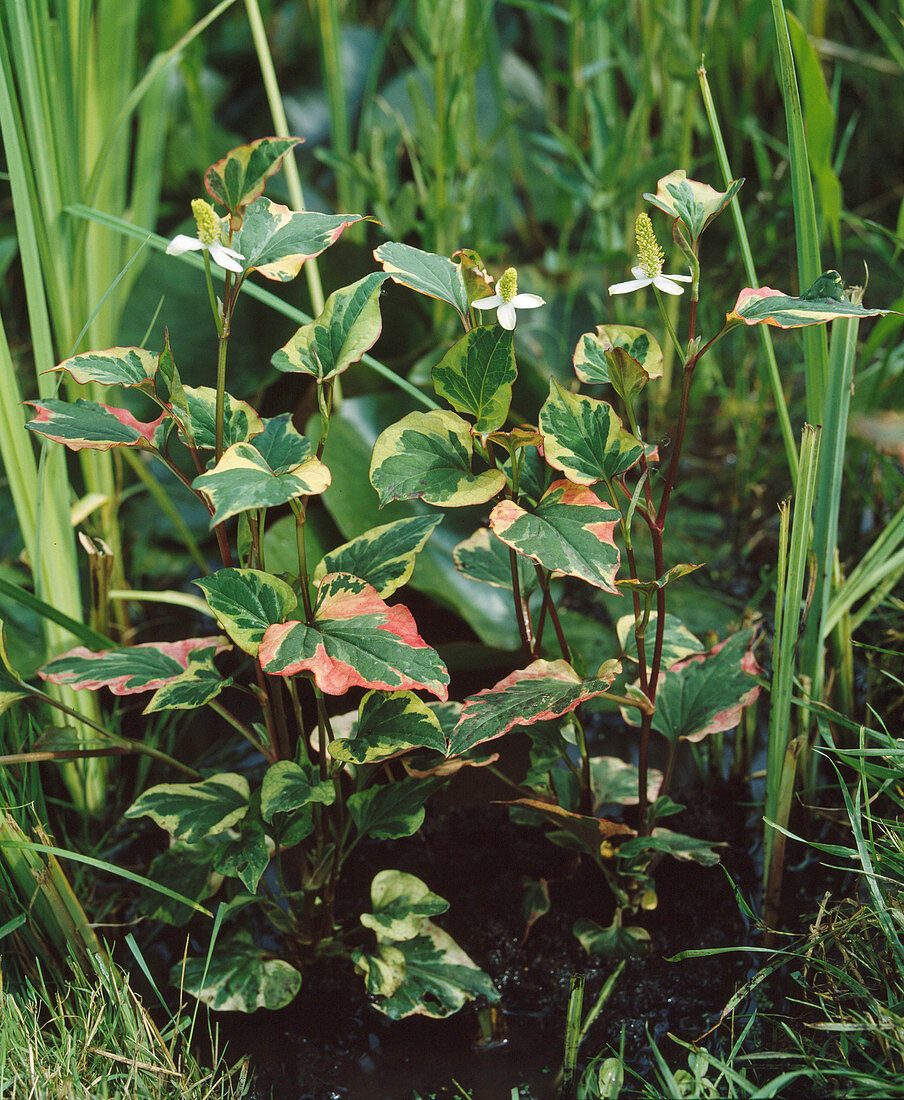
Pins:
<point x="567" y="497"/>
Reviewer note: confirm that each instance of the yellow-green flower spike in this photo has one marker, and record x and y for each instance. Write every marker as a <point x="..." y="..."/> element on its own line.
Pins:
<point x="507" y="284"/>
<point x="207" y="222"/>
<point x="650" y="255"/>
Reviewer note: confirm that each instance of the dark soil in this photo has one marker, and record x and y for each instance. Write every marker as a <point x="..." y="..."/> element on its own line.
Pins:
<point x="330" y="1044"/>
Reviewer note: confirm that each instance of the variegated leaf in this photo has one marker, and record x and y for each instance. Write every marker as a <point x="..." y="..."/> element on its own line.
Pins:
<point x="193" y="811"/>
<point x="240" y="177"/>
<point x="476" y="376"/>
<point x="347" y="327"/>
<point x="687" y="848"/>
<point x="243" y="480"/>
<point x="425" y="272"/>
<point x="615" y="780"/>
<point x="281" y="445"/>
<point x="354" y="640"/>
<point x="276" y="241"/>
<point x="584" y="437"/>
<point x="238" y="977"/>
<point x="668" y="577"/>
<point x="401" y="902"/>
<point x="113" y="367"/>
<point x="570" y="531"/>
<point x="240" y="421"/>
<point x="245" y="602"/>
<point x="195" y="687"/>
<point x="595" y="364"/>
<point x="428" y="455"/>
<point x="695" y="204"/>
<point x="247" y="856"/>
<point x="391" y="810"/>
<point x="545" y="689"/>
<point x="80" y="424"/>
<point x="389" y="723"/>
<point x="383" y="556"/>
<point x="289" y="787"/>
<point x="486" y="558"/>
<point x="127" y="669"/>
<point x="817" y="306"/>
<point x="677" y="641"/>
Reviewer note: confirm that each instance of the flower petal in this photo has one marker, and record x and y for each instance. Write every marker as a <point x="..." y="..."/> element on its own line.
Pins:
<point x="667" y="285"/>
<point x="182" y="243"/>
<point x="527" y="301"/>
<point x="488" y="303"/>
<point x="226" y="257"/>
<point x="632" y="284"/>
<point x="506" y="316"/>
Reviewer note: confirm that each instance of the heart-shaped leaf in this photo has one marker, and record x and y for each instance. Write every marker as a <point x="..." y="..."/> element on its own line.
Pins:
<point x="693" y="203"/>
<point x="245" y="602"/>
<point x="584" y="437"/>
<point x="238" y="977"/>
<point x="484" y="557"/>
<point x="476" y="375"/>
<point x="389" y="723"/>
<point x="400" y="902"/>
<point x="595" y="364"/>
<point x="240" y="177"/>
<point x="425" y="272"/>
<point x="383" y="556"/>
<point x="392" y="810"/>
<point x="193" y="811"/>
<point x="289" y="787"/>
<point x="240" y="421"/>
<point x="281" y="445"/>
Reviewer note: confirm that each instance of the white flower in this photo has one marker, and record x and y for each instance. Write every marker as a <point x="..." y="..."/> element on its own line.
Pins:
<point x="649" y="270"/>
<point x="507" y="300"/>
<point x="207" y="240"/>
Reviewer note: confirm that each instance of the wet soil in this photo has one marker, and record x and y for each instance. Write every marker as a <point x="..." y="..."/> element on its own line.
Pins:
<point x="330" y="1044"/>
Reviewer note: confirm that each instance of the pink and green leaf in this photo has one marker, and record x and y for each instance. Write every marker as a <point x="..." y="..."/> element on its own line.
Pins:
<point x="276" y="241"/>
<point x="240" y="177"/>
<point x="425" y="272"/>
<point x="127" y="669"/>
<point x="570" y="531"/>
<point x="354" y="640"/>
<point x="383" y="556"/>
<point x="193" y="688"/>
<point x="84" y="424"/>
<point x="817" y="306"/>
<point x="618" y="353"/>
<point x="389" y="723"/>
<point x="246" y="602"/>
<point x="584" y="438"/>
<point x="113" y="367"/>
<point x="476" y="376"/>
<point x="428" y="455"/>
<point x="693" y="203"/>
<point x="348" y="326"/>
<point x="243" y="480"/>
<point x="543" y="690"/>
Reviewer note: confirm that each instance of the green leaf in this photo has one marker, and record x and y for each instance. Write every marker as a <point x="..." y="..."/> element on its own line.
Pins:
<point x="240" y="177"/>
<point x="478" y="281"/>
<point x="240" y="421"/>
<point x="243" y="480"/>
<point x="174" y="392"/>
<point x="535" y="902"/>
<point x="239" y="978"/>
<point x="484" y="557"/>
<point x="428" y="455"/>
<point x="545" y="689"/>
<point x="193" y="811"/>
<point x="245" y="602"/>
<point x="641" y="362"/>
<point x="476" y="375"/>
<point x="194" y="687"/>
<point x="615" y="941"/>
<point x="347" y="327"/>
<point x="113" y="367"/>
<point x="276" y="241"/>
<point x="280" y="445"/>
<point x="585" y="833"/>
<point x="247" y="857"/>
<point x="354" y="640"/>
<point x="127" y="669"/>
<point x="392" y="810"/>
<point x="570" y="531"/>
<point x="694" y="204"/>
<point x="817" y="306"/>
<point x="183" y="868"/>
<point x="389" y="723"/>
<point x="686" y="848"/>
<point x="429" y="975"/>
<point x="584" y="438"/>
<point x="706" y="692"/>
<point x="383" y="556"/>
<point x="288" y="787"/>
<point x="79" y="424"/>
<point x="400" y="903"/>
<point x="425" y="272"/>
<point x="615" y="780"/>
<point x="677" y="641"/>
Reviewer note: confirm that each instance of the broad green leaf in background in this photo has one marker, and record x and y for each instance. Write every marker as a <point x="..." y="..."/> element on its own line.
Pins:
<point x="706" y="692"/>
<point x="383" y="556"/>
<point x="113" y="367"/>
<point x="288" y="787"/>
<point x="695" y="204"/>
<point x="243" y="480"/>
<point x="428" y="975"/>
<point x="80" y="424"/>
<point x="677" y="641"/>
<point x="347" y="327"/>
<point x="615" y="941"/>
<point x="400" y="904"/>
<point x="428" y="455"/>
<point x="819" y="305"/>
<point x="584" y="437"/>
<point x="275" y="241"/>
<point x="641" y="362"/>
<point x="476" y="376"/>
<point x="193" y="688"/>
<point x="239" y="978"/>
<point x="240" y="177"/>
<point x="484" y="557"/>
<point x="127" y="669"/>
<point x="391" y="810"/>
<point x="193" y="811"/>
<point x="354" y="640"/>
<point x="245" y="602"/>
<point x="389" y="723"/>
<point x="240" y="421"/>
<point x="545" y="689"/>
<point x="570" y="531"/>
<point x="281" y="445"/>
<point x="435" y="276"/>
